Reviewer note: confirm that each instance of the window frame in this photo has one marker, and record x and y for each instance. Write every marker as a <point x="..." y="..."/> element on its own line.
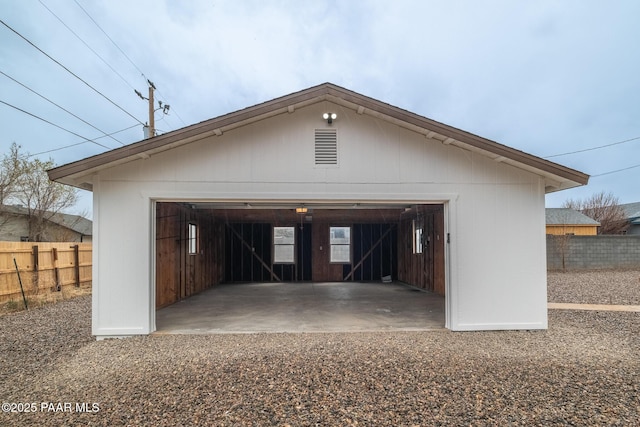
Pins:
<point x="332" y="245"/>
<point x="275" y="244"/>
<point x="418" y="236"/>
<point x="192" y="238"/>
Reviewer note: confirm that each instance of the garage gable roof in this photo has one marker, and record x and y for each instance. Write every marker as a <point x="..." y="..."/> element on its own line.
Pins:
<point x="558" y="177"/>
<point x="566" y="216"/>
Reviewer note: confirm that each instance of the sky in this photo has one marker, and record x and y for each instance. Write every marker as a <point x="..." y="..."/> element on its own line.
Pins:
<point x="544" y="77"/>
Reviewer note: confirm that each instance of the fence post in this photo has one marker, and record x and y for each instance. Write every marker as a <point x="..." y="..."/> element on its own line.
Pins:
<point x="76" y="260"/>
<point x="36" y="259"/>
<point x="54" y="253"/>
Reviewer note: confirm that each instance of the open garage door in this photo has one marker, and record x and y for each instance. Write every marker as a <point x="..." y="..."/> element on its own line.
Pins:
<point x="202" y="244"/>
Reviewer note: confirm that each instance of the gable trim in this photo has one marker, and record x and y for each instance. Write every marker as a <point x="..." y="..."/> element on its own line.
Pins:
<point x="72" y="173"/>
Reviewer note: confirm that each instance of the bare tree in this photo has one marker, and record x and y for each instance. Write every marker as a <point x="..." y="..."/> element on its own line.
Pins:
<point x="41" y="197"/>
<point x="562" y="240"/>
<point x="604" y="208"/>
<point x="10" y="169"/>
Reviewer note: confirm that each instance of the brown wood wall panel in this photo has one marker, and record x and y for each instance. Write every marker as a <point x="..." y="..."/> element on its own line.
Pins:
<point x="180" y="275"/>
<point x="438" y="255"/>
<point x="322" y="270"/>
<point x="425" y="270"/>
<point x="167" y="254"/>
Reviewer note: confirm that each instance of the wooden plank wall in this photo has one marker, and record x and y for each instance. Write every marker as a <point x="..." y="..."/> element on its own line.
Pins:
<point x="249" y="257"/>
<point x="248" y="252"/>
<point x="424" y="270"/>
<point x="374" y="252"/>
<point x="322" y="269"/>
<point x="43" y="267"/>
<point x="439" y="248"/>
<point x="180" y="275"/>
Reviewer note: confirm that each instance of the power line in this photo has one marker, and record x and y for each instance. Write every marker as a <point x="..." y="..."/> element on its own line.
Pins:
<point x="83" y="142"/>
<point x="62" y="108"/>
<point x="594" y="148"/>
<point x="53" y="124"/>
<point x="58" y="149"/>
<point x="70" y="72"/>
<point x="107" y="35"/>
<point x="615" y="171"/>
<point x="123" y="53"/>
<point x="87" y="45"/>
<point x="174" y="111"/>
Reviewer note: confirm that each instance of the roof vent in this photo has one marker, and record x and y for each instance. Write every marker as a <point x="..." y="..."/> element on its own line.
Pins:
<point x="326" y="147"/>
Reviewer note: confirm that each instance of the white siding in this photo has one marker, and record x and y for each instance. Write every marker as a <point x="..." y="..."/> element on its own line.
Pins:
<point x="495" y="212"/>
<point x="121" y="275"/>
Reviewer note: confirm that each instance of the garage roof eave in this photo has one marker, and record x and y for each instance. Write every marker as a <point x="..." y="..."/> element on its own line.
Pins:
<point x="552" y="187"/>
<point x="75" y="173"/>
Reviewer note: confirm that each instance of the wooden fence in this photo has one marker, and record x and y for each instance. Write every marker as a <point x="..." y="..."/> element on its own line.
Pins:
<point x="43" y="267"/>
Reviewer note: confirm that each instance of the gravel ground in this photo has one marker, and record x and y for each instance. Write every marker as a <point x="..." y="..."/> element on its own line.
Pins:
<point x="595" y="287"/>
<point x="584" y="370"/>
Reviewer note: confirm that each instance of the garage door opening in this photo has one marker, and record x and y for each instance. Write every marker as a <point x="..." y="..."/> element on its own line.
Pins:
<point x="211" y="245"/>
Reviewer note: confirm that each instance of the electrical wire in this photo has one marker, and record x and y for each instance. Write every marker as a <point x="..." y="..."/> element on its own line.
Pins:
<point x="107" y="35"/>
<point x="87" y="45"/>
<point x="97" y="54"/>
<point x="598" y="148"/>
<point x="62" y="108"/>
<point x="594" y="148"/>
<point x="615" y="171"/>
<point x="173" y="110"/>
<point x="123" y="53"/>
<point x="53" y="124"/>
<point x="83" y="142"/>
<point x="70" y="72"/>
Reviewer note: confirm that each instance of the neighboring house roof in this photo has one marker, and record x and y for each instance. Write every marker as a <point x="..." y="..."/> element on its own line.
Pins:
<point x="75" y="223"/>
<point x="557" y="177"/>
<point x="565" y="216"/>
<point x="632" y="212"/>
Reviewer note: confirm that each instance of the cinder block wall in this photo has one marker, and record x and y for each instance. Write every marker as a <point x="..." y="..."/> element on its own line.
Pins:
<point x="593" y="252"/>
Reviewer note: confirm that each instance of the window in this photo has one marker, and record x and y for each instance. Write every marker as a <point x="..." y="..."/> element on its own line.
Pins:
<point x="192" y="239"/>
<point x="340" y="242"/>
<point x="326" y="147"/>
<point x="418" y="236"/>
<point x="284" y="244"/>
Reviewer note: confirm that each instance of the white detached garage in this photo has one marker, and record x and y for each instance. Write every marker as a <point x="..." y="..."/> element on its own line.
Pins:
<point x="281" y="192"/>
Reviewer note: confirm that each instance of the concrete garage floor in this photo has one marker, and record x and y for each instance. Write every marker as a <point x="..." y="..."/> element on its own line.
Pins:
<point x="303" y="307"/>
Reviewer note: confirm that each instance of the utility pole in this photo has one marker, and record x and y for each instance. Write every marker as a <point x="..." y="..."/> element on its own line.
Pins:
<point x="150" y="129"/>
<point x="152" y="121"/>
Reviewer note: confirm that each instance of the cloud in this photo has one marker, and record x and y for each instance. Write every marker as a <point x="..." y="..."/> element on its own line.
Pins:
<point x="544" y="77"/>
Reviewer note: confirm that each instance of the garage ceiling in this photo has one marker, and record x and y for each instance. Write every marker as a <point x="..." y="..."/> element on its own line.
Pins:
<point x="285" y="213"/>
